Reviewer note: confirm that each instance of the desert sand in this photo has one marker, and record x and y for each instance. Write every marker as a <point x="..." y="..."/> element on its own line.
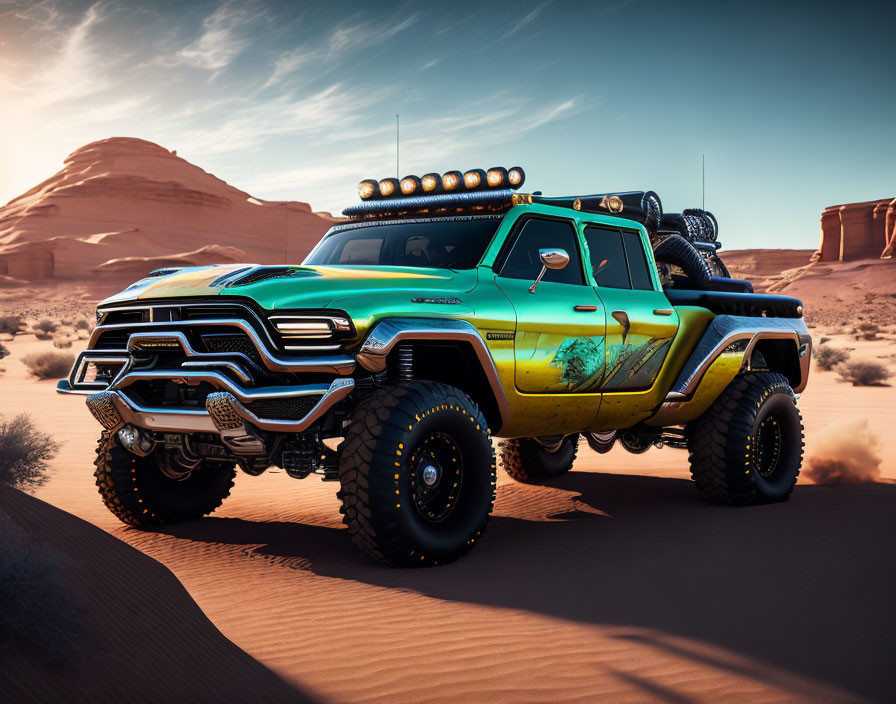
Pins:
<point x="616" y="581"/>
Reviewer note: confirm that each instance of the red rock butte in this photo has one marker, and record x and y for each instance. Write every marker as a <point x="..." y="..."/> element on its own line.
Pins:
<point x="125" y="206"/>
<point x="858" y="231"/>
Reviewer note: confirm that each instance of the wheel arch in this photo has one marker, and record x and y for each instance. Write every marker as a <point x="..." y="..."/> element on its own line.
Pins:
<point x="434" y="339"/>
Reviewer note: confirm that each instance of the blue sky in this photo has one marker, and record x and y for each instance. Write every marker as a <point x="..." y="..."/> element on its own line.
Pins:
<point x="794" y="106"/>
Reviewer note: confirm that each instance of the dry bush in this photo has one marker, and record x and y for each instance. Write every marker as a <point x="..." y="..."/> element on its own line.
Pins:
<point x="82" y="324"/>
<point x="868" y="326"/>
<point x="43" y="335"/>
<point x="36" y="600"/>
<point x="62" y="343"/>
<point x="10" y="324"/>
<point x="865" y="373"/>
<point x="24" y="453"/>
<point x="827" y="357"/>
<point x="46" y="325"/>
<point x="49" y="365"/>
<point x="3" y="351"/>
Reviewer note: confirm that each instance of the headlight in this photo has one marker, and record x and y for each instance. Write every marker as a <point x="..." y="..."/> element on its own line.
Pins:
<point x="311" y="332"/>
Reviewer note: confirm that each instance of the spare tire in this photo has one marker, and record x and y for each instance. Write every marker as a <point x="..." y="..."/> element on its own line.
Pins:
<point x="676" y="250"/>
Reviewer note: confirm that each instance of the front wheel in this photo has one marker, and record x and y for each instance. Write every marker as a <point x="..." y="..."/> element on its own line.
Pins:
<point x="748" y="447"/>
<point x="418" y="474"/>
<point x="154" y="490"/>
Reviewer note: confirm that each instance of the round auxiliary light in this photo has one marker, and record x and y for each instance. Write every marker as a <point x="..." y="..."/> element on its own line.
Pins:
<point x="614" y="204"/>
<point x="496" y="177"/>
<point x="516" y="176"/>
<point x="451" y="180"/>
<point x="430" y="183"/>
<point x="410" y="185"/>
<point x="368" y="188"/>
<point x="389" y="187"/>
<point x="473" y="179"/>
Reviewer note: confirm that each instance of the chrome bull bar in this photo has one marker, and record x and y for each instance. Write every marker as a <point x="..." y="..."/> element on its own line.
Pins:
<point x="113" y="408"/>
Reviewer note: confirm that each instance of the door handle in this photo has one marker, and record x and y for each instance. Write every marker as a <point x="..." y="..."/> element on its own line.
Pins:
<point x="621" y="317"/>
<point x="663" y="311"/>
<point x="585" y="309"/>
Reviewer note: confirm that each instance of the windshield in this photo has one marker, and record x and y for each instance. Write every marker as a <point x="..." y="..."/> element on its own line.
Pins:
<point x="443" y="244"/>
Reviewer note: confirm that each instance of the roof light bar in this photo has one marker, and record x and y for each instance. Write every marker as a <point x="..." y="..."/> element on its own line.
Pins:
<point x="495" y="178"/>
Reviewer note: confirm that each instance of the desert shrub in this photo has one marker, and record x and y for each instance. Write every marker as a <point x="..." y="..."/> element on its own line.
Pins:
<point x="40" y="335"/>
<point x="865" y="373"/>
<point x="49" y="365"/>
<point x="10" y="324"/>
<point x="3" y="351"/>
<point x="827" y="357"/>
<point x="62" y="343"/>
<point x="868" y="326"/>
<point x="46" y="325"/>
<point x="24" y="453"/>
<point x="82" y="324"/>
<point x="35" y="599"/>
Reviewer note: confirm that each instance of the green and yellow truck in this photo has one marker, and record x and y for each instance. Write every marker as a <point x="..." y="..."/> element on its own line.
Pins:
<point x="446" y="311"/>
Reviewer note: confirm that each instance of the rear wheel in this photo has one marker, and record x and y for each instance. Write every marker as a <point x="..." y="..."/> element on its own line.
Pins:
<point x="418" y="474"/>
<point x="155" y="490"/>
<point x="748" y="447"/>
<point x="532" y="461"/>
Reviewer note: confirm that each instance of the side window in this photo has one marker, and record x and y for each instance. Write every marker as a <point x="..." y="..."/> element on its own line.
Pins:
<point x="361" y="251"/>
<point x="607" y="257"/>
<point x="637" y="262"/>
<point x="523" y="262"/>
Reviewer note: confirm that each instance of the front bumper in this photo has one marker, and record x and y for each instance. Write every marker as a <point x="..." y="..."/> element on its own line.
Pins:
<point x="133" y="380"/>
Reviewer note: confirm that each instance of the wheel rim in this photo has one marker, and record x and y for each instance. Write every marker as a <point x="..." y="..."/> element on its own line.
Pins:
<point x="436" y="475"/>
<point x="767" y="446"/>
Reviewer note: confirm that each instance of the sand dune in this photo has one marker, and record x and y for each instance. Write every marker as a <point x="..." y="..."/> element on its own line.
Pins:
<point x="144" y="637"/>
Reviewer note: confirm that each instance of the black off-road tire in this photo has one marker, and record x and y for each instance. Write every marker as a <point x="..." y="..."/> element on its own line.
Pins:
<point x="139" y="494"/>
<point x="748" y="446"/>
<point x="382" y="466"/>
<point x="528" y="461"/>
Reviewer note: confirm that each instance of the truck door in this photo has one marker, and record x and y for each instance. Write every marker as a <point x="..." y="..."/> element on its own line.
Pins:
<point x="640" y="321"/>
<point x="559" y="342"/>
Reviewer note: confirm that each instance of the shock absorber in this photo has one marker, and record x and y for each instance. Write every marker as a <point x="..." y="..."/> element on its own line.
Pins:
<point x="405" y="362"/>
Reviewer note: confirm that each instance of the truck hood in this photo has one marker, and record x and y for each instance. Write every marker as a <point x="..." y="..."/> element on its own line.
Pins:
<point x="285" y="287"/>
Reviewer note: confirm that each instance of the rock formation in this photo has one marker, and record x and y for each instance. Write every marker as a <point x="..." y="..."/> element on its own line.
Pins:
<point x="125" y="204"/>
<point x="858" y="231"/>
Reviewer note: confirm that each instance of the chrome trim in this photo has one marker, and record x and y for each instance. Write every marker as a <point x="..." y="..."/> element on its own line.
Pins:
<point x="338" y="390"/>
<point x="389" y="332"/>
<point x="184" y="420"/>
<point x="86" y="357"/>
<point x="64" y="387"/>
<point x="205" y="363"/>
<point x="340" y="364"/>
<point x="163" y="419"/>
<point x="221" y="382"/>
<point x="725" y="330"/>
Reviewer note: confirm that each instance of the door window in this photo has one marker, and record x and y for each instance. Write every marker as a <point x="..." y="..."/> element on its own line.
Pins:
<point x="637" y="262"/>
<point x="607" y="255"/>
<point x="523" y="261"/>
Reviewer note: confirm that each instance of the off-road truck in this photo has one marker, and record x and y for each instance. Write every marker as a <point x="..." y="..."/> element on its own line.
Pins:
<point x="446" y="311"/>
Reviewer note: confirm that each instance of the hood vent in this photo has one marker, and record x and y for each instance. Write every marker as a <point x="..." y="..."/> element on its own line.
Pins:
<point x="263" y="273"/>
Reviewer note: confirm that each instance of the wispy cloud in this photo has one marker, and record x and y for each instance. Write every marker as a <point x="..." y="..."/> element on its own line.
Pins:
<point x="222" y="39"/>
<point x="524" y="21"/>
<point x="343" y="40"/>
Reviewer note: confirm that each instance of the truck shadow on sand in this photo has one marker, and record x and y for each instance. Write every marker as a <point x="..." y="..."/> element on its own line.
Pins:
<point x="806" y="586"/>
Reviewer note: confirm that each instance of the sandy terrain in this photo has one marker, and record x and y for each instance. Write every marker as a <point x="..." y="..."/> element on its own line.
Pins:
<point x="616" y="581"/>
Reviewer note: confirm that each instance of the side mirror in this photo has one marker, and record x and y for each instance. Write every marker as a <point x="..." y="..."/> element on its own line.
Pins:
<point x="550" y="259"/>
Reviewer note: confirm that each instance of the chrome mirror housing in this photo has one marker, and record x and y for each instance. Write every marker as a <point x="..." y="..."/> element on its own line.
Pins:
<point x="550" y="259"/>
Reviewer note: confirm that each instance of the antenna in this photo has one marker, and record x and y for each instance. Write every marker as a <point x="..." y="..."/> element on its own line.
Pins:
<point x="703" y="207"/>
<point x="397" y="173"/>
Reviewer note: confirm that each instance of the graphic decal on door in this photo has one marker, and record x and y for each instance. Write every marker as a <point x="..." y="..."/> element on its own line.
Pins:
<point x="631" y="365"/>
